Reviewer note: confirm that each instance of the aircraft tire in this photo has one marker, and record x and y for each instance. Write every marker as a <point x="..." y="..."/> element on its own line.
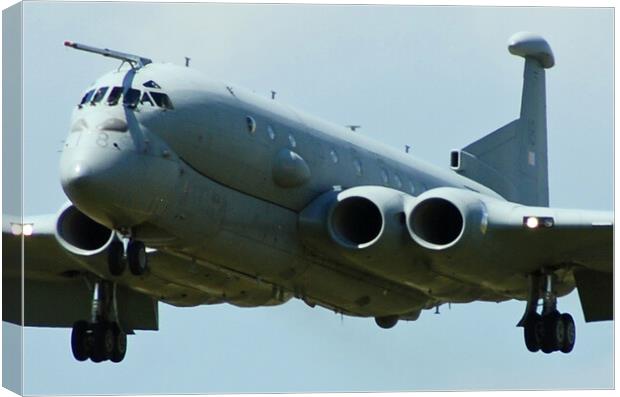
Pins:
<point x="136" y="256"/>
<point x="116" y="264"/>
<point x="553" y="336"/>
<point x="569" y="333"/>
<point x="532" y="332"/>
<point x="79" y="340"/>
<point x="104" y="342"/>
<point x="120" y="344"/>
<point x="386" y="322"/>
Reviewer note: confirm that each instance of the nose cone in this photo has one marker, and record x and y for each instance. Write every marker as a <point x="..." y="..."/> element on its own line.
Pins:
<point x="81" y="181"/>
<point x="74" y="177"/>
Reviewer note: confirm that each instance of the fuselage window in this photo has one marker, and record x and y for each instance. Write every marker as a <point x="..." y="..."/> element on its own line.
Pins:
<point x="132" y="96"/>
<point x="146" y="99"/>
<point x="271" y="133"/>
<point x="411" y="187"/>
<point x="398" y="182"/>
<point x="115" y="95"/>
<point x="384" y="176"/>
<point x="333" y="155"/>
<point x="292" y="141"/>
<point x="87" y="97"/>
<point x="358" y="167"/>
<point x="162" y="100"/>
<point x="250" y="124"/>
<point x="99" y="95"/>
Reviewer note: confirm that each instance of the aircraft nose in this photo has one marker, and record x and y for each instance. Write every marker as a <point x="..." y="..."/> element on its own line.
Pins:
<point x="76" y="179"/>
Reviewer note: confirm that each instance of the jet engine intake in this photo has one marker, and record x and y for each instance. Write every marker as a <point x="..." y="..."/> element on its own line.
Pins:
<point x="79" y="234"/>
<point x="443" y="216"/>
<point x="355" y="221"/>
<point x="437" y="221"/>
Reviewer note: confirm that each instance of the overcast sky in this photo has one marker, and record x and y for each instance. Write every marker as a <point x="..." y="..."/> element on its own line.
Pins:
<point x="435" y="78"/>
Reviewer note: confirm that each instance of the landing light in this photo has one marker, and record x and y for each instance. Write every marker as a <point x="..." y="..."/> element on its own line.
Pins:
<point x="534" y="222"/>
<point x="531" y="222"/>
<point x="27" y="229"/>
<point x="18" y="229"/>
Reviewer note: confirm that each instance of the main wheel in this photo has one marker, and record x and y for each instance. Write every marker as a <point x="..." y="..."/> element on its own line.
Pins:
<point x="553" y="337"/>
<point x="136" y="256"/>
<point x="386" y="321"/>
<point x="104" y="342"/>
<point x="116" y="264"/>
<point x="79" y="341"/>
<point x="120" y="344"/>
<point x="569" y="333"/>
<point x="532" y="332"/>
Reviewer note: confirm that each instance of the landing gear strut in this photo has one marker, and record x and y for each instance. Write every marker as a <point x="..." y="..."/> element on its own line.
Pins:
<point x="135" y="256"/>
<point x="549" y="331"/>
<point x="102" y="338"/>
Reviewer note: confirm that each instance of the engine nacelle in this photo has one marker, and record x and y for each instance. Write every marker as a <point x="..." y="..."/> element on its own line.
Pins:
<point x="355" y="219"/>
<point x="79" y="234"/>
<point x="443" y="217"/>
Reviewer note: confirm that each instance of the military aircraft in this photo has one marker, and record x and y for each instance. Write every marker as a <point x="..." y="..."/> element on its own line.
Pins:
<point x="193" y="192"/>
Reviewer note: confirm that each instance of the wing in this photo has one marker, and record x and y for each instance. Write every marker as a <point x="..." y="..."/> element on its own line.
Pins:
<point x="54" y="284"/>
<point x="511" y="238"/>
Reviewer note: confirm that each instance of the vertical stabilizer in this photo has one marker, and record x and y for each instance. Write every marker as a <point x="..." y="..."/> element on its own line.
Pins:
<point x="513" y="159"/>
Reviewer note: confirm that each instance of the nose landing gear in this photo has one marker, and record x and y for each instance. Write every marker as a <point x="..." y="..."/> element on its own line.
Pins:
<point x="549" y="331"/>
<point x="102" y="338"/>
<point x="134" y="255"/>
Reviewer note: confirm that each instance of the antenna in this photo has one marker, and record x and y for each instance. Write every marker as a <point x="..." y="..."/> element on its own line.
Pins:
<point x="131" y="58"/>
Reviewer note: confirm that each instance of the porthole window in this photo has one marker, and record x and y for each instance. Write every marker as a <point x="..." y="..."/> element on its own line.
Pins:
<point x="411" y="187"/>
<point x="384" y="176"/>
<point x="250" y="124"/>
<point x="397" y="182"/>
<point x="358" y="167"/>
<point x="271" y="133"/>
<point x="292" y="141"/>
<point x="334" y="156"/>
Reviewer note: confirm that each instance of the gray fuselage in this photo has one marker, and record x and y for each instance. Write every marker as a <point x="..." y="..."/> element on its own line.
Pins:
<point x="219" y="176"/>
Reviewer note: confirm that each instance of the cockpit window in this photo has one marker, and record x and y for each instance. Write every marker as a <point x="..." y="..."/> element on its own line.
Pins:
<point x="115" y="95"/>
<point x="146" y="99"/>
<point x="132" y="96"/>
<point x="99" y="95"/>
<point x="162" y="100"/>
<point x="87" y="97"/>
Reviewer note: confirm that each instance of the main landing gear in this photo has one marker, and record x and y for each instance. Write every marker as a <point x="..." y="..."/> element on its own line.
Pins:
<point x="549" y="331"/>
<point x="135" y="256"/>
<point x="101" y="338"/>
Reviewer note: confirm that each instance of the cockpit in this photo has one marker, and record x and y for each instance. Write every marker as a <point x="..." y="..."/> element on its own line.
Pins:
<point x="129" y="97"/>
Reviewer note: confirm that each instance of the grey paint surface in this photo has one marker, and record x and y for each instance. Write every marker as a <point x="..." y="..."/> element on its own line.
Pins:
<point x="325" y="113"/>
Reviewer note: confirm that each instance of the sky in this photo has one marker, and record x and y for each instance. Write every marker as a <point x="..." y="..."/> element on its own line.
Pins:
<point x="434" y="78"/>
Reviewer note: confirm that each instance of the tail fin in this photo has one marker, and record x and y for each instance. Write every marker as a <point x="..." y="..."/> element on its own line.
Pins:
<point x="513" y="159"/>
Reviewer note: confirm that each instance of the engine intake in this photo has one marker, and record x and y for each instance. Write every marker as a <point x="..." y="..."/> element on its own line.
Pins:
<point x="81" y="235"/>
<point x="436" y="221"/>
<point x="356" y="222"/>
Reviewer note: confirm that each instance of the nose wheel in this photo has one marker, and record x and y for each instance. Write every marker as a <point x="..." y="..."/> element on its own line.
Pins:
<point x="135" y="256"/>
<point x="550" y="331"/>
